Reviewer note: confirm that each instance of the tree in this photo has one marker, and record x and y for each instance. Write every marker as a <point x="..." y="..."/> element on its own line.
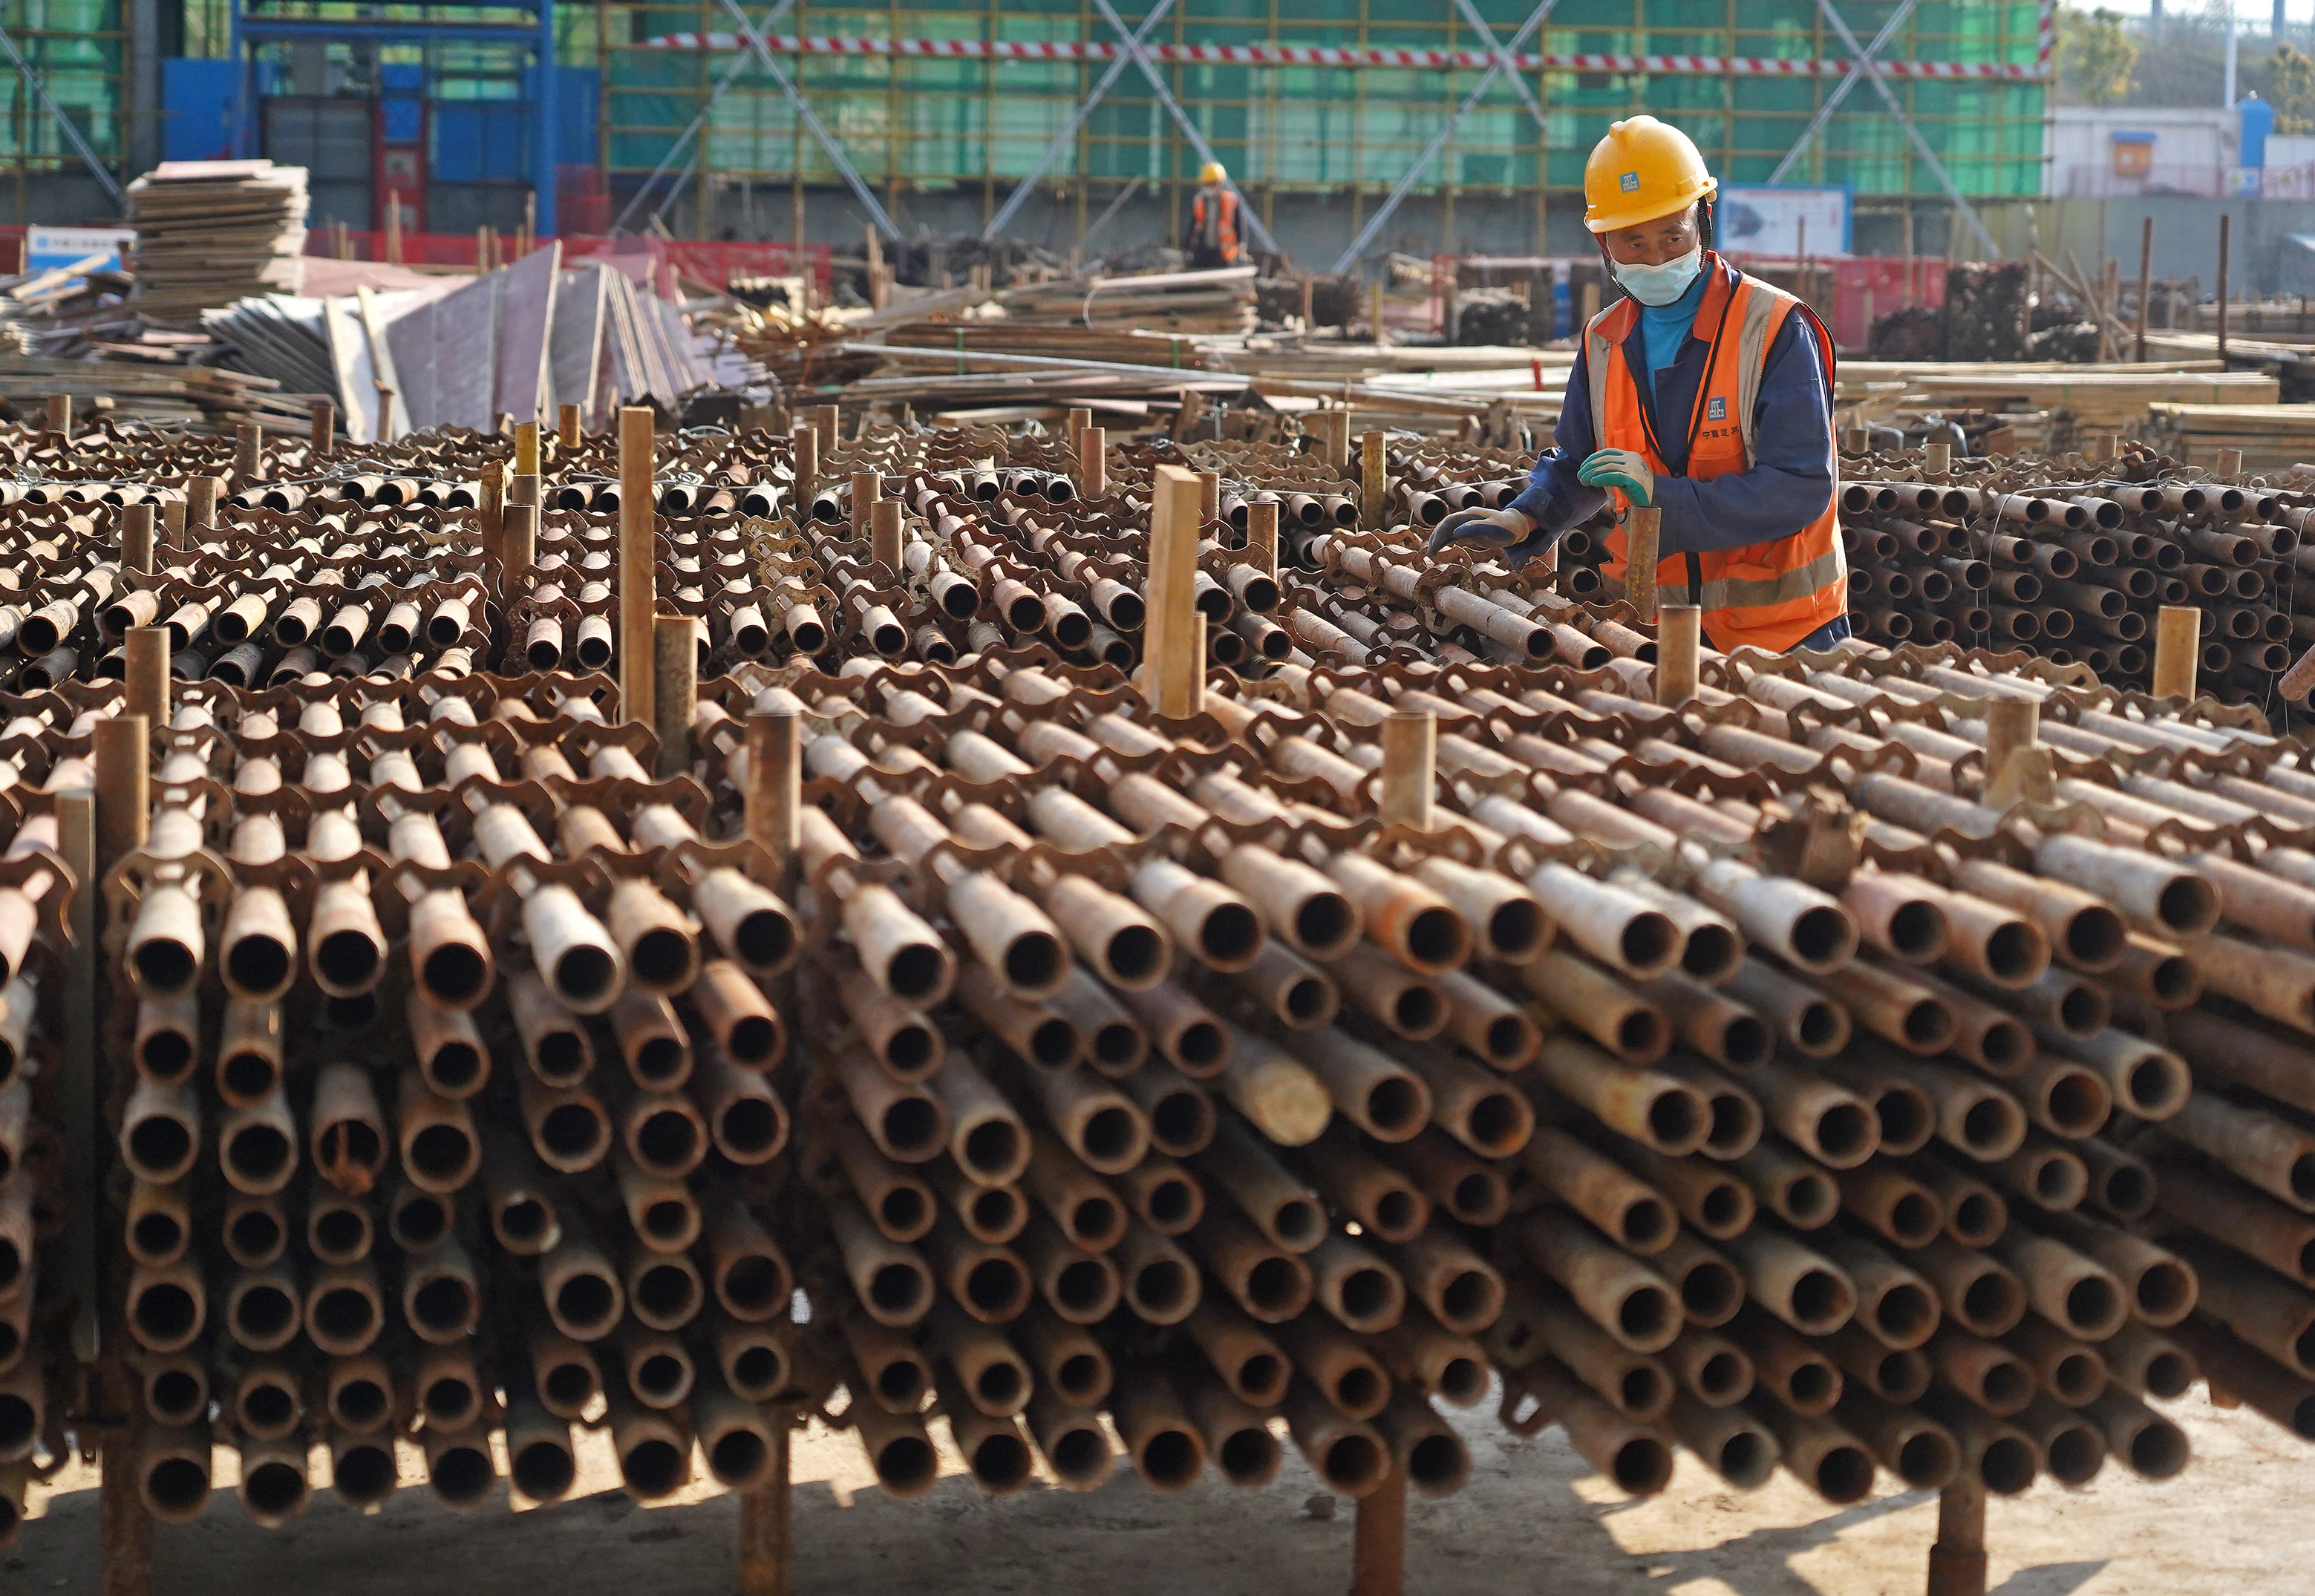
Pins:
<point x="2097" y="56"/>
<point x="2292" y="87"/>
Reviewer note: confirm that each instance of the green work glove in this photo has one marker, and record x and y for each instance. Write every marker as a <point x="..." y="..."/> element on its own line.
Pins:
<point x="1620" y="468"/>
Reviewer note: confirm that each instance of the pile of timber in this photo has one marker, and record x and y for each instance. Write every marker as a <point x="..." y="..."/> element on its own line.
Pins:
<point x="212" y="232"/>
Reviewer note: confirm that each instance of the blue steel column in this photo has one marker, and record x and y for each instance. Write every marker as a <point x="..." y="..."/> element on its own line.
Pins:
<point x="544" y="156"/>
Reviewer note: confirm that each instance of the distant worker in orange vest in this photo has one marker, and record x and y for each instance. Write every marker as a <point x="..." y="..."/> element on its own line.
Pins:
<point x="1211" y="241"/>
<point x="1707" y="394"/>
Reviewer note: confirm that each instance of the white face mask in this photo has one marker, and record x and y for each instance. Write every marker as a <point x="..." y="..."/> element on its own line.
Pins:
<point x="1660" y="286"/>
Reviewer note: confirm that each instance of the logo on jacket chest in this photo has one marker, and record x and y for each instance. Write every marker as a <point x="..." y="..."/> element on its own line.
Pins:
<point x="1715" y="409"/>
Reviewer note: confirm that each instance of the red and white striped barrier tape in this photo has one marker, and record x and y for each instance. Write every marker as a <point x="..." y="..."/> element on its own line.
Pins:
<point x="1284" y="55"/>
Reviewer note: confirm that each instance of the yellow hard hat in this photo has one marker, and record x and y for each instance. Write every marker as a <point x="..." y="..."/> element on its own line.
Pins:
<point x="1643" y="169"/>
<point x="1212" y="173"/>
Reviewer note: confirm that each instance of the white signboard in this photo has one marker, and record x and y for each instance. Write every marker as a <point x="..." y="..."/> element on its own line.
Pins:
<point x="47" y="248"/>
<point x="1780" y="223"/>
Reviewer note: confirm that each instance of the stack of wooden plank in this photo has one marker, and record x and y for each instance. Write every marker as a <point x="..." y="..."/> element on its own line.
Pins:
<point x="212" y="232"/>
<point x="2271" y="436"/>
<point x="206" y="397"/>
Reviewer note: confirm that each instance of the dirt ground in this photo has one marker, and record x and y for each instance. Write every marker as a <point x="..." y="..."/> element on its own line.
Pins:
<point x="2240" y="1522"/>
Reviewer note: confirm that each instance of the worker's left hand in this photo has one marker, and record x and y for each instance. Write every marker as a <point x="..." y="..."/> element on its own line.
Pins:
<point x="1620" y="468"/>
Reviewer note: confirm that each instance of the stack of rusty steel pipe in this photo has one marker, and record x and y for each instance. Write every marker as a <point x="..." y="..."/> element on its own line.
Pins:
<point x="1873" y="1060"/>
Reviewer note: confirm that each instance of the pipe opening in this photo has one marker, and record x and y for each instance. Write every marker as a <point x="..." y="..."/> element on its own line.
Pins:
<point x="160" y="1146"/>
<point x="654" y="1468"/>
<point x="343" y="1316"/>
<point x="1084" y="1286"/>
<point x="1993" y="1123"/>
<point x="737" y="1456"/>
<point x="756" y="1372"/>
<point x="2165" y="1291"/>
<point x="1647" y="1224"/>
<point x="1844" y="1475"/>
<point x="668" y="1141"/>
<point x="1172" y="1203"/>
<point x="1914" y="1219"/>
<point x="661" y="1061"/>
<point x="753" y="1283"/>
<point x="1820" y="1296"/>
<point x="900" y="1384"/>
<point x="1183" y="1120"/>
<point x="1367" y="1292"/>
<point x="994" y="1285"/>
<point x="1075" y="1453"/>
<point x="668" y="1219"/>
<point x="997" y="1211"/>
<point x="1820" y="1027"/>
<point x="364" y="1472"/>
<point x="586" y="1302"/>
<point x="1745" y="1041"/>
<point x="165" y="1055"/>
<point x="1643" y="1314"/>
<point x="1906" y="1312"/>
<point x="1710" y="1292"/>
<point x="359" y="1402"/>
<point x="2158" y="1451"/>
<point x="1437" y="939"/>
<point x="2093" y="1306"/>
<point x="1811" y="1387"/>
<point x="175" y="1396"/>
<point x="2007" y="1465"/>
<point x="993" y="1147"/>
<point x="1509" y="1038"/>
<point x="1248" y="1457"/>
<point x="157" y="1236"/>
<point x="1724" y="1210"/>
<point x="1917" y="930"/>
<point x="263" y="1313"/>
<point x="543" y="1471"/>
<point x="1642" y="1389"/>
<point x="345" y="958"/>
<point x="441" y="1151"/>
<point x="255" y="1232"/>
<point x="449" y="1399"/>
<point x="1648" y="941"/>
<point x="1306" y="1001"/>
<point x="573" y="1132"/>
<point x="1823" y="937"/>
<point x="259" y="1152"/>
<point x="445" y="1304"/>
<point x="1479" y="1198"/>
<point x="1500" y="1122"/>
<point x="1745" y="1461"/>
<point x="1723" y="1377"/>
<point x="668" y="1292"/>
<point x="899" y="1289"/>
<point x="1810" y="1200"/>
<point x="177" y="1484"/>
<point x="902" y="1211"/>
<point x="1081" y="1376"/>
<point x="1642" y="1466"/>
<point x="1903" y="1118"/>
<point x="914" y="973"/>
<point x="1352" y="1461"/>
<point x="1172" y="1459"/>
<point x="1515" y="928"/>
<point x="1928" y="1025"/>
<point x="1111" y="1135"/>
<point x="1846" y="1131"/>
<point x="164" y="965"/>
<point x="1276" y="1283"/>
<point x="258" y="965"/>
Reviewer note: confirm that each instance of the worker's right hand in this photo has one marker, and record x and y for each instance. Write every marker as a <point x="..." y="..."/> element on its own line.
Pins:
<point x="1496" y="528"/>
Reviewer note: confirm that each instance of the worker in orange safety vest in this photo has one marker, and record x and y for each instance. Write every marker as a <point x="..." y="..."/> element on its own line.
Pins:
<point x="1706" y="394"/>
<point x="1211" y="241"/>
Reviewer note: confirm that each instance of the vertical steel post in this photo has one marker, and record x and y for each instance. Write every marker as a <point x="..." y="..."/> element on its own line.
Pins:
<point x="1378" y="1540"/>
<point x="675" y="689"/>
<point x="1958" y="1560"/>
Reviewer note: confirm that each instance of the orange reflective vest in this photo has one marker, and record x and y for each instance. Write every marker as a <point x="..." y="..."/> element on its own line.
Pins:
<point x="1765" y="594"/>
<point x="1217" y="228"/>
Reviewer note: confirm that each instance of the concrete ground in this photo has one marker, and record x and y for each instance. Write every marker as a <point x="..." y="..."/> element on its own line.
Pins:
<point x="2240" y="1522"/>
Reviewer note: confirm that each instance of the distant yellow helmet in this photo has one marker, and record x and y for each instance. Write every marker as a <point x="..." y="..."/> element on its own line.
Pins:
<point x="1212" y="173"/>
<point x="1643" y="169"/>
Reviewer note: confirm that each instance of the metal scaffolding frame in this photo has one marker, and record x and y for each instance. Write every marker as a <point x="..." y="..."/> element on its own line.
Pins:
<point x="1503" y="58"/>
